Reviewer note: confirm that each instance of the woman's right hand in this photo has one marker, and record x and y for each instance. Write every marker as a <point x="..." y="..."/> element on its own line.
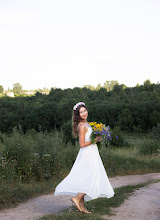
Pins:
<point x="98" y="139"/>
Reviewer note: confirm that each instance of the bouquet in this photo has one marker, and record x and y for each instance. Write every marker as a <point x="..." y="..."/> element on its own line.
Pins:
<point x="101" y="132"/>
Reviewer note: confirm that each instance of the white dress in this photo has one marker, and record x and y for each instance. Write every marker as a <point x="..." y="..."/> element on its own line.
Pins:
<point x="87" y="174"/>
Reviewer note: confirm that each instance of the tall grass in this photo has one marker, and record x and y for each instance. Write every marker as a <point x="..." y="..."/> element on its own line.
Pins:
<point x="38" y="156"/>
<point x="119" y="164"/>
<point x="141" y="156"/>
<point x="34" y="156"/>
<point x="149" y="146"/>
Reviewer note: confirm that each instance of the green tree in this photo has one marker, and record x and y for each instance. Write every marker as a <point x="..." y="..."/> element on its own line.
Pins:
<point x="125" y="120"/>
<point x="113" y="83"/>
<point x="1" y="89"/>
<point x="109" y="85"/>
<point x="17" y="88"/>
<point x="98" y="86"/>
<point x="147" y="82"/>
<point x="133" y="109"/>
<point x="89" y="87"/>
<point x="154" y="118"/>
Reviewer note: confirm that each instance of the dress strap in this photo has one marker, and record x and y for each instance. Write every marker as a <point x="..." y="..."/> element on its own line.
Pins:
<point x="85" y="124"/>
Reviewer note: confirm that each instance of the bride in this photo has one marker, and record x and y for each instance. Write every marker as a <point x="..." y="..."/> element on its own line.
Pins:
<point x="87" y="179"/>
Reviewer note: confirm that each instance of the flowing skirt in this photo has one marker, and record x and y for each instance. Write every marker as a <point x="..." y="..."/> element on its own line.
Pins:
<point x="86" y="176"/>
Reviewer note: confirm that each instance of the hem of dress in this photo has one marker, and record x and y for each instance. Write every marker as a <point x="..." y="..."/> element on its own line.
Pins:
<point x="86" y="197"/>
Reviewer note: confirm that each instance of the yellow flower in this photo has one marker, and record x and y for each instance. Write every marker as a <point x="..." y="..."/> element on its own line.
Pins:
<point x="97" y="126"/>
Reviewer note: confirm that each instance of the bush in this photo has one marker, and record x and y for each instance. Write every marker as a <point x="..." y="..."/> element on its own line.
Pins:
<point x="17" y="155"/>
<point x="116" y="164"/>
<point x="118" y="139"/>
<point x="50" y="147"/>
<point x="70" y="152"/>
<point x="149" y="146"/>
<point x="156" y="131"/>
<point x="67" y="131"/>
<point x="41" y="155"/>
<point x="35" y="155"/>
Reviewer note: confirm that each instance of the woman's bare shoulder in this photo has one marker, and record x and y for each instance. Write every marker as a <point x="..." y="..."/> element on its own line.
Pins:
<point x="82" y="127"/>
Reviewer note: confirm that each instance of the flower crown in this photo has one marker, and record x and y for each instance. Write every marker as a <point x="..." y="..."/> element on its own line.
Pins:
<point x="78" y="104"/>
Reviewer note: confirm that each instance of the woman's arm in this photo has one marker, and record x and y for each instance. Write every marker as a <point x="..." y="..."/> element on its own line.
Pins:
<point x="82" y="131"/>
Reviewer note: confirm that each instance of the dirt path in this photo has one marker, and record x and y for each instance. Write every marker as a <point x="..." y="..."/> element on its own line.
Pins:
<point x="144" y="204"/>
<point x="48" y="204"/>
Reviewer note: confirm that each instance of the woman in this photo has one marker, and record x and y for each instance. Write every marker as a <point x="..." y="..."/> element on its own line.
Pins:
<point x="87" y="179"/>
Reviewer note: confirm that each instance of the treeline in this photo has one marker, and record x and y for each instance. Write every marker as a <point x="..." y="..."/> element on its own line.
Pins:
<point x="135" y="109"/>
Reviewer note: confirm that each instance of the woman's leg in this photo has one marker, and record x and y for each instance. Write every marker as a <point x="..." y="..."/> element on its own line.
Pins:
<point x="82" y="206"/>
<point x="76" y="199"/>
<point x="79" y="201"/>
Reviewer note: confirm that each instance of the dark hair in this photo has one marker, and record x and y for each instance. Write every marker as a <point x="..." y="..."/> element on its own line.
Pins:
<point x="76" y="119"/>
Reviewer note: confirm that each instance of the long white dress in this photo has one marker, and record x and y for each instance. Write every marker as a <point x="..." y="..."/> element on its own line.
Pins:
<point x="87" y="174"/>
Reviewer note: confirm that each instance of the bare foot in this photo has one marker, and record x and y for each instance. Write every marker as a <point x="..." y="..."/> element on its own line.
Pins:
<point x="83" y="208"/>
<point x="76" y="202"/>
<point x="86" y="211"/>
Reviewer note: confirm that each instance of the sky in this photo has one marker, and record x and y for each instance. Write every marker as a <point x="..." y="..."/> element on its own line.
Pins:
<point x="72" y="43"/>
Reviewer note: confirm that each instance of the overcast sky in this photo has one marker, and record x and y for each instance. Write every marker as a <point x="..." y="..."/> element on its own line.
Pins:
<point x="66" y="44"/>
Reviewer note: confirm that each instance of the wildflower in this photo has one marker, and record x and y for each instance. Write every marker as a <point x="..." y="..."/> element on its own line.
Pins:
<point x="100" y="130"/>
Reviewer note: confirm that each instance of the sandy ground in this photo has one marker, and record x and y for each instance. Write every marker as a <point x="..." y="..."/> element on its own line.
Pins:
<point x="144" y="204"/>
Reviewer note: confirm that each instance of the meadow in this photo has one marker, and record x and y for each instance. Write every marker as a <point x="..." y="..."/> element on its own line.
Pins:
<point x="34" y="163"/>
